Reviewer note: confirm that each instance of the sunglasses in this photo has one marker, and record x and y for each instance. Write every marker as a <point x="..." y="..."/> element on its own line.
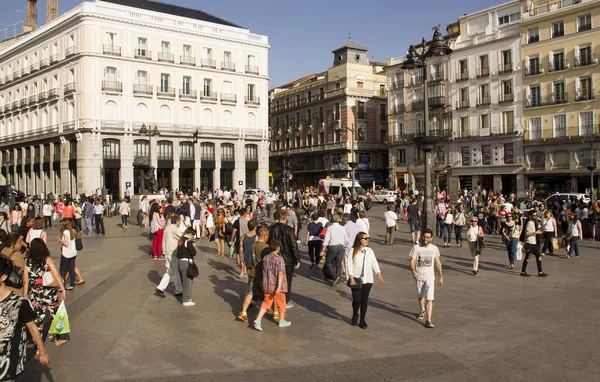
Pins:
<point x="365" y="238"/>
<point x="427" y="237"/>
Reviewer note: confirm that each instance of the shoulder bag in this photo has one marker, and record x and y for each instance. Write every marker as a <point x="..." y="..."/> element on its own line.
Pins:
<point x="192" y="271"/>
<point x="48" y="279"/>
<point x="78" y="243"/>
<point x="15" y="279"/>
<point x="358" y="281"/>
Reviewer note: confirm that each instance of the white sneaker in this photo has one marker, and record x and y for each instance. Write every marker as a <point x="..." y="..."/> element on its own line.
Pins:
<point x="189" y="303"/>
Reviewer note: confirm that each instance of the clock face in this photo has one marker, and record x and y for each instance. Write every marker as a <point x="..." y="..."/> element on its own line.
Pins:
<point x="357" y="57"/>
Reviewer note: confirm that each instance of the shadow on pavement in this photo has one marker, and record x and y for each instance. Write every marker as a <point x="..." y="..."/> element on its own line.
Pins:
<point x="147" y="249"/>
<point x="219" y="266"/>
<point x="154" y="277"/>
<point x="221" y="288"/>
<point x="382" y="305"/>
<point x="38" y="374"/>
<point x="316" y="306"/>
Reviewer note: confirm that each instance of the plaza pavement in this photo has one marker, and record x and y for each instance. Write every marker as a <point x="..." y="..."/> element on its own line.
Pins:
<point x="493" y="326"/>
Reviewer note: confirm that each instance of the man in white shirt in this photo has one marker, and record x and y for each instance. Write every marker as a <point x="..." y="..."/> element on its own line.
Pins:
<point x="391" y="219"/>
<point x="352" y="230"/>
<point x="169" y="246"/>
<point x="422" y="260"/>
<point x="333" y="245"/>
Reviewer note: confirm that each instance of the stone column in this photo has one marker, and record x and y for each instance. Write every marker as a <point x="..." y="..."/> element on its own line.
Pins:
<point x="89" y="163"/>
<point x="239" y="173"/>
<point x="126" y="174"/>
<point x="574" y="186"/>
<point x="65" y="176"/>
<point x="262" y="176"/>
<point x="217" y="171"/>
<point x="176" y="166"/>
<point x="497" y="183"/>
<point x="197" y="167"/>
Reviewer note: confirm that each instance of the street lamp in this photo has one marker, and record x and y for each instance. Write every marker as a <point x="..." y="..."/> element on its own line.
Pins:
<point x="427" y="139"/>
<point x="592" y="166"/>
<point x="149" y="132"/>
<point x="360" y="132"/>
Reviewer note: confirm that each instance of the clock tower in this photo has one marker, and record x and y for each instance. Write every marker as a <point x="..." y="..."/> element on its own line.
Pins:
<point x="350" y="52"/>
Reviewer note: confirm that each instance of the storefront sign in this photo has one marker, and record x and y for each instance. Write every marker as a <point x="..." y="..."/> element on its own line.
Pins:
<point x="364" y="161"/>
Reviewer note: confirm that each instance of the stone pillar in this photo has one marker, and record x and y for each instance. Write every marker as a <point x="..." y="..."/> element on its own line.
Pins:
<point x="65" y="176"/>
<point x="521" y="185"/>
<point x="262" y="176"/>
<point x="126" y="173"/>
<point x="197" y="167"/>
<point x="574" y="186"/>
<point x="217" y="171"/>
<point x="176" y="166"/>
<point x="89" y="163"/>
<point x="239" y="172"/>
<point x="497" y="183"/>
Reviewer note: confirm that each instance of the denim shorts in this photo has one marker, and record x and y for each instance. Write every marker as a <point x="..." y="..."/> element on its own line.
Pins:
<point x="414" y="227"/>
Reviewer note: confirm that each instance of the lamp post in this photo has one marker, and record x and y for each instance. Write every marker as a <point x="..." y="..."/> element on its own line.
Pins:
<point x="353" y="164"/>
<point x="147" y="132"/>
<point x="592" y="166"/>
<point x="427" y="139"/>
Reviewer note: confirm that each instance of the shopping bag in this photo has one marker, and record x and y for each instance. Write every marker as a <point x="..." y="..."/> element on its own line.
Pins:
<point x="555" y="245"/>
<point x="519" y="251"/>
<point x="60" y="323"/>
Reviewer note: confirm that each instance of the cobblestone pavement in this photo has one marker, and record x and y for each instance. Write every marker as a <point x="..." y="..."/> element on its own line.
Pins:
<point x="493" y="326"/>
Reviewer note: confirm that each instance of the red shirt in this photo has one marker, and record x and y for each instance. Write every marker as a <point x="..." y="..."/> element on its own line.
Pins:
<point x="68" y="212"/>
<point x="211" y="210"/>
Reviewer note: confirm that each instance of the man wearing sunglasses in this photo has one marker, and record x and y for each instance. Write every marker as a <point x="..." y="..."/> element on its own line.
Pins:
<point x="423" y="256"/>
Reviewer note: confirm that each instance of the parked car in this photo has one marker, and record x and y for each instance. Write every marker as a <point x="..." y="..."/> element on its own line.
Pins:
<point x="565" y="197"/>
<point x="385" y="196"/>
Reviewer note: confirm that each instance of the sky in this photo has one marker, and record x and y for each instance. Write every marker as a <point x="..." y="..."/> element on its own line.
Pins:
<point x="302" y="34"/>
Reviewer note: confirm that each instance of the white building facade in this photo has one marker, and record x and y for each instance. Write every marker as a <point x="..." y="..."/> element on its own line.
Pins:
<point x="485" y="89"/>
<point x="75" y="93"/>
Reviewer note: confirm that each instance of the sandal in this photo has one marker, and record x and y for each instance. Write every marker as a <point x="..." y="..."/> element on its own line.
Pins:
<point x="80" y="282"/>
<point x="60" y="342"/>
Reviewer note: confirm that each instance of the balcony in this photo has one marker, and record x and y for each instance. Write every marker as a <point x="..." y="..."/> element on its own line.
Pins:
<point x="112" y="86"/>
<point x="584" y="60"/>
<point x="69" y="88"/>
<point x="439" y="76"/>
<point x="8" y="78"/>
<point x="584" y="27"/>
<point x="34" y="67"/>
<point x="399" y="138"/>
<point x="252" y="101"/>
<point x="484" y="101"/>
<point x="549" y="7"/>
<point x="142" y="54"/>
<point x="187" y="94"/>
<point x="557" y="65"/>
<point x="44" y="63"/>
<point x="15" y="105"/>
<point x="532" y="70"/>
<point x="505" y="68"/>
<point x="506" y="98"/>
<point x="142" y="89"/>
<point x="228" y="65"/>
<point x="42" y="96"/>
<point x="208" y="96"/>
<point x="585" y="96"/>
<point x="53" y="59"/>
<point x="162" y="91"/>
<point x="464" y="104"/>
<point x="555" y="99"/>
<point x="23" y="103"/>
<point x="7" y="108"/>
<point x="483" y="72"/>
<point x="417" y="104"/>
<point x="208" y="63"/>
<point x="417" y="79"/>
<point x="187" y="60"/>
<point x="438" y="101"/>
<point x="462" y="76"/>
<point x="53" y="93"/>
<point x="166" y="57"/>
<point x="24" y="71"/>
<point x="111" y="50"/>
<point x="70" y="51"/>
<point x="228" y="98"/>
<point x="251" y="69"/>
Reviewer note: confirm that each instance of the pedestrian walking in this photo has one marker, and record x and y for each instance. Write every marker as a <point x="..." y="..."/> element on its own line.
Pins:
<point x="361" y="263"/>
<point x="475" y="236"/>
<point x="260" y="249"/>
<point x="170" y="242"/>
<point x="423" y="259"/>
<point x="447" y="224"/>
<point x="391" y="219"/>
<point x="99" y="217"/>
<point x="336" y="238"/>
<point x="511" y="232"/>
<point x="414" y="220"/>
<point x="550" y="230"/>
<point x="68" y="252"/>
<point x="573" y="236"/>
<point x="185" y="254"/>
<point x="459" y="222"/>
<point x="124" y="211"/>
<point x="314" y="241"/>
<point x="531" y="247"/>
<point x="284" y="234"/>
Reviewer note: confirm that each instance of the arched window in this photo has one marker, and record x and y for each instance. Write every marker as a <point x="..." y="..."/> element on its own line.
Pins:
<point x="251" y="121"/>
<point x="227" y="119"/>
<point x="164" y="150"/>
<point x="186" y="116"/>
<point x="186" y="151"/>
<point x="45" y="118"/>
<point x="251" y="153"/>
<point x="26" y="126"/>
<point x="141" y="113"/>
<point x="165" y="115"/>
<point x="419" y="125"/>
<point x="207" y="151"/>
<point x="111" y="112"/>
<point x="71" y="111"/>
<point x="207" y="117"/>
<point x="562" y="159"/>
<point x="17" y="125"/>
<point x="35" y="121"/>
<point x="140" y="148"/>
<point x="537" y="159"/>
<point x="227" y="152"/>
<point x="111" y="148"/>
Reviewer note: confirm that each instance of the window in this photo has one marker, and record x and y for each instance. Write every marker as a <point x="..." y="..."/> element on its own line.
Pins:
<point x="164" y="82"/>
<point x="227" y="152"/>
<point x="584" y="23"/>
<point x="141" y="47"/>
<point x="560" y="126"/>
<point x="464" y="96"/>
<point x="509" y="18"/>
<point x="509" y="153"/>
<point x="484" y="94"/>
<point x="164" y="150"/>
<point x="187" y="51"/>
<point x="484" y="65"/>
<point x="111" y="39"/>
<point x="535" y="128"/>
<point x="486" y="155"/>
<point x="464" y="127"/>
<point x="186" y="85"/>
<point x="584" y="56"/>
<point x="533" y="35"/>
<point x="586" y="123"/>
<point x="207" y="87"/>
<point x="207" y="53"/>
<point x="360" y="110"/>
<point x="484" y="122"/>
<point x="186" y="151"/>
<point x="506" y="56"/>
<point x="207" y="151"/>
<point x="558" y="29"/>
<point x="321" y="114"/>
<point x="507" y="91"/>
<point x="360" y="84"/>
<point x="383" y="112"/>
<point x="140" y="148"/>
<point x="110" y="74"/>
<point x="558" y="91"/>
<point x="465" y="154"/>
<point x="187" y="117"/>
<point x="585" y="91"/>
<point x="227" y="57"/>
<point x="535" y="96"/>
<point x="251" y="153"/>
<point x="401" y="156"/>
<point x="534" y="66"/>
<point x="382" y="90"/>
<point x="111" y="149"/>
<point x="251" y="92"/>
<point x="165" y="47"/>
<point x="141" y="77"/>
<point x="508" y="122"/>
<point x="557" y="61"/>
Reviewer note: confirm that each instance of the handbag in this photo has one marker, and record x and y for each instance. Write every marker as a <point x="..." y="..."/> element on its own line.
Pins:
<point x="358" y="281"/>
<point x="78" y="244"/>
<point x="48" y="279"/>
<point x="192" y="271"/>
<point x="15" y="279"/>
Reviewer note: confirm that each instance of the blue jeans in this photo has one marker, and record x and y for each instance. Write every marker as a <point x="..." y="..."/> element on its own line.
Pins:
<point x="88" y="225"/>
<point x="333" y="262"/>
<point x="574" y="243"/>
<point x="124" y="220"/>
<point x="447" y="231"/>
<point x="314" y="251"/>
<point x="511" y="247"/>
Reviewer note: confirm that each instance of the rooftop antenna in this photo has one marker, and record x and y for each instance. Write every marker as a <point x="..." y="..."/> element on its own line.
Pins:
<point x="349" y="35"/>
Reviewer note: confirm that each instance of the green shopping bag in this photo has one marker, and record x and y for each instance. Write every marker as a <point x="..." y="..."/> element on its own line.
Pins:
<point x="60" y="323"/>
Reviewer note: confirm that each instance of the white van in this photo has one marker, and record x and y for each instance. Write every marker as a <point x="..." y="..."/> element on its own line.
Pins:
<point x="565" y="197"/>
<point x="336" y="188"/>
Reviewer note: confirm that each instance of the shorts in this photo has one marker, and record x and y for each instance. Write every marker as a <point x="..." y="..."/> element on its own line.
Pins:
<point x="425" y="289"/>
<point x="414" y="227"/>
<point x="250" y="290"/>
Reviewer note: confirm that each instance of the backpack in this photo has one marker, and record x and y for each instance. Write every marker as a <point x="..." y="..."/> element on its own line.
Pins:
<point x="368" y="204"/>
<point x="228" y="227"/>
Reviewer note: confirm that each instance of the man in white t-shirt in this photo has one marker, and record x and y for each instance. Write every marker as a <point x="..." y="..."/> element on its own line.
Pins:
<point x="423" y="257"/>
